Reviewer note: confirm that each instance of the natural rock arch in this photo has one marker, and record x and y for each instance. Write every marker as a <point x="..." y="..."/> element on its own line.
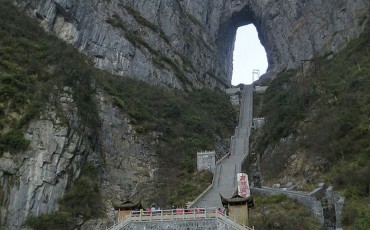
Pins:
<point x="290" y="31"/>
<point x="241" y="16"/>
<point x="226" y="40"/>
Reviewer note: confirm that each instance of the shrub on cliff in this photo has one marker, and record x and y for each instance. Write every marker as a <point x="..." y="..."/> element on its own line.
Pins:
<point x="185" y="123"/>
<point x="33" y="62"/>
<point x="54" y="220"/>
<point x="83" y="199"/>
<point x="329" y="118"/>
<point x="12" y="140"/>
<point x="81" y="202"/>
<point x="279" y="212"/>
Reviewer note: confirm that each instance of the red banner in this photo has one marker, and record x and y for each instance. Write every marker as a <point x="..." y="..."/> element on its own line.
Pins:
<point x="243" y="185"/>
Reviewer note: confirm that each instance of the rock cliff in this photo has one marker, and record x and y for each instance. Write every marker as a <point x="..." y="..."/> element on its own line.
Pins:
<point x="32" y="182"/>
<point x="188" y="44"/>
<point x="127" y="164"/>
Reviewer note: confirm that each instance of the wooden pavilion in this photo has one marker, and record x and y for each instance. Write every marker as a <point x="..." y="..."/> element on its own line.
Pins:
<point x="126" y="208"/>
<point x="238" y="207"/>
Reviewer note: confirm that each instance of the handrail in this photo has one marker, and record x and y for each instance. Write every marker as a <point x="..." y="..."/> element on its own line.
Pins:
<point x="201" y="195"/>
<point x="177" y="214"/>
<point x="240" y="138"/>
<point x="218" y="179"/>
<point x="227" y="220"/>
<point x="218" y="167"/>
<point x="232" y="140"/>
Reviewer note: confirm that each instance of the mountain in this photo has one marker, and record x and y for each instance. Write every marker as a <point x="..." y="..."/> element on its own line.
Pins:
<point x="76" y="140"/>
<point x="188" y="44"/>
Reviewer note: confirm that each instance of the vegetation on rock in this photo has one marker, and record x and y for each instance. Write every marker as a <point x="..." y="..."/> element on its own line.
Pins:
<point x="158" y="58"/>
<point x="324" y="113"/>
<point x="34" y="68"/>
<point x="178" y="125"/>
<point x="80" y="202"/>
<point x="279" y="212"/>
<point x="32" y="64"/>
<point x="53" y="220"/>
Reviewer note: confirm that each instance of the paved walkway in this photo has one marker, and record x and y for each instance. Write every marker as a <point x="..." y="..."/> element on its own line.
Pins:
<point x="224" y="181"/>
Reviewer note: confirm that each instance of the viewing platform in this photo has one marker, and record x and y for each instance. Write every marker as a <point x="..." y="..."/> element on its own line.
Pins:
<point x="196" y="218"/>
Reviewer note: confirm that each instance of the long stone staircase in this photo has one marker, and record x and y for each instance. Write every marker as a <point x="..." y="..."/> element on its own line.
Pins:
<point x="224" y="183"/>
<point x="224" y="180"/>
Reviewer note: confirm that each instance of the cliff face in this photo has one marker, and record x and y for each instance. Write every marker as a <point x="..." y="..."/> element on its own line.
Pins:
<point x="186" y="43"/>
<point x="127" y="164"/>
<point x="32" y="181"/>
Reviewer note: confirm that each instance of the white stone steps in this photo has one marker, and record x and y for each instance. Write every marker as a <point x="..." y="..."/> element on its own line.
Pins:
<point x="225" y="175"/>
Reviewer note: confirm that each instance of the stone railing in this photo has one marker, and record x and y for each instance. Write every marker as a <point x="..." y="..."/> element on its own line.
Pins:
<point x="175" y="215"/>
<point x="218" y="165"/>
<point x="303" y="198"/>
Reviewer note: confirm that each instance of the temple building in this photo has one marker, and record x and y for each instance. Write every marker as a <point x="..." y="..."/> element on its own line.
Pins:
<point x="126" y="208"/>
<point x="238" y="207"/>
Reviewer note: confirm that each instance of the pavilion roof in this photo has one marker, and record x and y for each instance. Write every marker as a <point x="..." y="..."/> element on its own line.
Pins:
<point x="128" y="205"/>
<point x="237" y="200"/>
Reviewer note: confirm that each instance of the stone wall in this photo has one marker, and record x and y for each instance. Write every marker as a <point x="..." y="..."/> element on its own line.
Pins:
<point x="206" y="161"/>
<point x="260" y="89"/>
<point x="258" y="122"/>
<point x="310" y="202"/>
<point x="201" y="224"/>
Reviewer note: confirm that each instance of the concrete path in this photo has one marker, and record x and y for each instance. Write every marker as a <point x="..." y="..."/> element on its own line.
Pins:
<point x="224" y="181"/>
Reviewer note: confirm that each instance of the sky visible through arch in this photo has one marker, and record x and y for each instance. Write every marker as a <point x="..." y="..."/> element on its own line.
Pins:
<point x="248" y="55"/>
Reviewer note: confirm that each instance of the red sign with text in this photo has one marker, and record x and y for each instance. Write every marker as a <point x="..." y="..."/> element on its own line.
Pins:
<point x="243" y="185"/>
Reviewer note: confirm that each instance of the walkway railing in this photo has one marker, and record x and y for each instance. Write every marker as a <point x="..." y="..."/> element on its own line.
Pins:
<point x="177" y="214"/>
<point x="218" y="165"/>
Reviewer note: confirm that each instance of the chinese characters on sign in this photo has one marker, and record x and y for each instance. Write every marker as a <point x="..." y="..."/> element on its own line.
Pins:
<point x="243" y="185"/>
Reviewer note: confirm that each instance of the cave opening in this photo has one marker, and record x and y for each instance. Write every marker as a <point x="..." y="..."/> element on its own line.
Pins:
<point x="249" y="56"/>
